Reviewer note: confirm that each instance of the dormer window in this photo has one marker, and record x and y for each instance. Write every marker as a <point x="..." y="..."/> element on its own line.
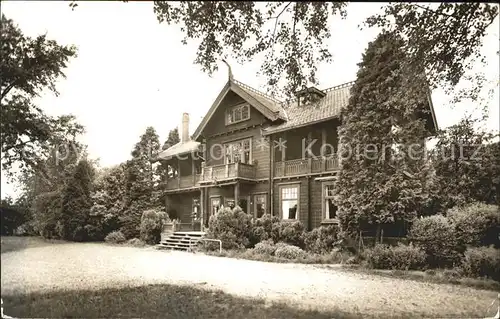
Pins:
<point x="237" y="114"/>
<point x="309" y="95"/>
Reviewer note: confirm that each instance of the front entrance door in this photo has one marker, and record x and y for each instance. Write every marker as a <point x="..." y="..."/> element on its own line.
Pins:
<point x="244" y="202"/>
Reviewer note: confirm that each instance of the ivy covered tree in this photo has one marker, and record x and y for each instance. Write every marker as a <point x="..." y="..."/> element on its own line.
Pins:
<point x="467" y="165"/>
<point x="77" y="202"/>
<point x="142" y="180"/>
<point x="384" y="175"/>
<point x="30" y="65"/>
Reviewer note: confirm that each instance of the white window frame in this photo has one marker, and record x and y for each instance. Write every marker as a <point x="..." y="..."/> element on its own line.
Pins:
<point x="230" y="150"/>
<point x="255" y="202"/>
<point x="237" y="110"/>
<point x="281" y="200"/>
<point x="219" y="198"/>
<point x="324" y="197"/>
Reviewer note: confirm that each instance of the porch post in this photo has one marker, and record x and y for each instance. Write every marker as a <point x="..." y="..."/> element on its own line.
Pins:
<point x="236" y="193"/>
<point x="271" y="173"/>
<point x="202" y="209"/>
<point x="323" y="142"/>
<point x="178" y="173"/>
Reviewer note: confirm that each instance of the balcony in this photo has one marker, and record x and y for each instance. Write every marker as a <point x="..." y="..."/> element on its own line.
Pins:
<point x="183" y="182"/>
<point x="306" y="166"/>
<point x="210" y="174"/>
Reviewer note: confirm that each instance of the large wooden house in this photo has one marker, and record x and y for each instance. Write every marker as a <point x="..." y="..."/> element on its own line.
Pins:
<point x="252" y="151"/>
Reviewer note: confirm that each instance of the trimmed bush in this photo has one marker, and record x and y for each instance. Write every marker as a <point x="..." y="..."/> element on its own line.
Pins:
<point x="401" y="257"/>
<point x="436" y="236"/>
<point x="266" y="247"/>
<point x="476" y="224"/>
<point x="136" y="242"/>
<point x="262" y="228"/>
<point x="152" y="222"/>
<point x="320" y="240"/>
<point x="115" y="237"/>
<point x="482" y="262"/>
<point x="289" y="251"/>
<point x="288" y="232"/>
<point x="232" y="227"/>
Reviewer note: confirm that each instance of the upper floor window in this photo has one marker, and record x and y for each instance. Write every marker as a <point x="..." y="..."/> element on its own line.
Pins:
<point x="237" y="114"/>
<point x="238" y="151"/>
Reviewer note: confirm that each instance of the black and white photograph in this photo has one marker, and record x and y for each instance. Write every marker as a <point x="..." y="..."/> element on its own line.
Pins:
<point x="247" y="159"/>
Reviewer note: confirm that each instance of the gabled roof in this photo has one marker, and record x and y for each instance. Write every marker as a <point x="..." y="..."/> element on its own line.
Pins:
<point x="271" y="108"/>
<point x="336" y="98"/>
<point x="178" y="149"/>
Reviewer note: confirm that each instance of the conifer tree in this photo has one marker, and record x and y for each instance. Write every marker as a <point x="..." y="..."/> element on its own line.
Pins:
<point x="384" y="176"/>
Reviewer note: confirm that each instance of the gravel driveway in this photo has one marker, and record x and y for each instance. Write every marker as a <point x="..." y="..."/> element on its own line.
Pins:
<point x="94" y="266"/>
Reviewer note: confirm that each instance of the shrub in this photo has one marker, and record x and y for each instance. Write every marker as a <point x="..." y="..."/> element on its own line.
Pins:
<point x="476" y="224"/>
<point x="288" y="232"/>
<point x="232" y="227"/>
<point x="152" y="222"/>
<point x="266" y="247"/>
<point x="401" y="257"/>
<point x="93" y="233"/>
<point x="289" y="251"/>
<point x="320" y="240"/>
<point x="482" y="262"/>
<point x="136" y="242"/>
<point x="262" y="228"/>
<point x="436" y="236"/>
<point x="115" y="237"/>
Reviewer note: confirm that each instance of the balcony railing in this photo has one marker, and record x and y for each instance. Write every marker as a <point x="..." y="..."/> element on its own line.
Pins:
<point x="183" y="182"/>
<point x="227" y="171"/>
<point x="306" y="166"/>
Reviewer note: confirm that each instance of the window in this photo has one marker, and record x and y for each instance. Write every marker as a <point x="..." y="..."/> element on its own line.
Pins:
<point x="238" y="113"/>
<point x="289" y="202"/>
<point x="260" y="205"/>
<point x="196" y="208"/>
<point x="329" y="208"/>
<point x="215" y="203"/>
<point x="238" y="151"/>
<point x="230" y="202"/>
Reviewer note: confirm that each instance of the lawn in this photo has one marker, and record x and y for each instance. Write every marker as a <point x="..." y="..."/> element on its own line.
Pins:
<point x="152" y="301"/>
<point x="15" y="243"/>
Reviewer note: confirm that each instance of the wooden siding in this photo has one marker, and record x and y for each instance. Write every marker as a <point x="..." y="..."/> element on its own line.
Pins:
<point x="217" y="124"/>
<point x="183" y="204"/>
<point x="260" y="155"/>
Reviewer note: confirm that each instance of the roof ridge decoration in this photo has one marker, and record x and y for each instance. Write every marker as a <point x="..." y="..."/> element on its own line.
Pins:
<point x="229" y="70"/>
<point x="248" y="87"/>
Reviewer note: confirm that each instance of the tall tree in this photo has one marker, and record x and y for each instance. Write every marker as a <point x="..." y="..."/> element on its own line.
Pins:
<point x="467" y="164"/>
<point x="173" y="138"/>
<point x="292" y="36"/>
<point x="384" y="174"/>
<point x="28" y="67"/>
<point x="76" y="202"/>
<point x="141" y="180"/>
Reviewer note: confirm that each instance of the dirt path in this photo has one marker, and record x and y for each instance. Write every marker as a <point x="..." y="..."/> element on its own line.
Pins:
<point x="94" y="266"/>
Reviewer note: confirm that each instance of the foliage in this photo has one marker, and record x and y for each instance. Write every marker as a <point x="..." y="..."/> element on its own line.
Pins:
<point x="436" y="236"/>
<point x="444" y="39"/>
<point x="482" y="262"/>
<point x="173" y="138"/>
<point x="384" y="176"/>
<point x="12" y="216"/>
<point x="292" y="36"/>
<point x="136" y="242"/>
<point x="142" y="188"/>
<point x="152" y="222"/>
<point x="262" y="228"/>
<point x="321" y="239"/>
<point x="115" y="237"/>
<point x="77" y="202"/>
<point x="231" y="226"/>
<point x="467" y="165"/>
<point x="265" y="247"/>
<point x="476" y="224"/>
<point x="401" y="257"/>
<point x="28" y="67"/>
<point x="289" y="251"/>
<point x="289" y="232"/>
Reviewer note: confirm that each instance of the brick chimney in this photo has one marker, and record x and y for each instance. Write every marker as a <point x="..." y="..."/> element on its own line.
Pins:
<point x="185" y="128"/>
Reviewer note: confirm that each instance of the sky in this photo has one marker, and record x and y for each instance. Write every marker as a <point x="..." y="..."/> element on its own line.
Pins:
<point x="132" y="72"/>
